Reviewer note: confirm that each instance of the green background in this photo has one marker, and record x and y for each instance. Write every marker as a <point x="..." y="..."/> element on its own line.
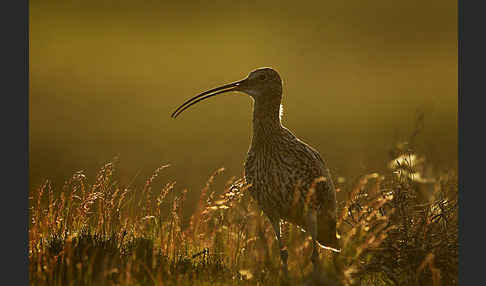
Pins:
<point x="106" y="75"/>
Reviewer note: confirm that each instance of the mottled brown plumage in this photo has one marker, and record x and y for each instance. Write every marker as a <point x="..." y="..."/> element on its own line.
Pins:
<point x="288" y="178"/>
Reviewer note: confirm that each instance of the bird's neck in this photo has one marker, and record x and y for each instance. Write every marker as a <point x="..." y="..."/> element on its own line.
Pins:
<point x="266" y="118"/>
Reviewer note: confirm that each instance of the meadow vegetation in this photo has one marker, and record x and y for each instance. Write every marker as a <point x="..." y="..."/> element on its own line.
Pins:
<point x="396" y="228"/>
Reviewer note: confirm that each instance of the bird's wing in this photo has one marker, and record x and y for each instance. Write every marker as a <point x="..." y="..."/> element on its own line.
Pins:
<point x="325" y="193"/>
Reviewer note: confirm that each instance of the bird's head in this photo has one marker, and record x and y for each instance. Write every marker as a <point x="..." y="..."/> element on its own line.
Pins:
<point x="262" y="84"/>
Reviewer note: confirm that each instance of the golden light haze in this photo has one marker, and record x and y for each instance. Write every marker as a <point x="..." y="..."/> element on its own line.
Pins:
<point x="106" y="75"/>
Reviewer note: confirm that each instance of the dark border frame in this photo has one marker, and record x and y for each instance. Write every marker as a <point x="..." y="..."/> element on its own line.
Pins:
<point x="470" y="121"/>
<point x="15" y="119"/>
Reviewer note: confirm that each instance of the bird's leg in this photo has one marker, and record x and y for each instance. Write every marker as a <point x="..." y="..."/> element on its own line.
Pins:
<point x="277" y="225"/>
<point x="283" y="246"/>
<point x="312" y="223"/>
<point x="315" y="256"/>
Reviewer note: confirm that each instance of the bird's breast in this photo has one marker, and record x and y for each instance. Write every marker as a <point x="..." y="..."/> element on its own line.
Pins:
<point x="275" y="178"/>
<point x="281" y="175"/>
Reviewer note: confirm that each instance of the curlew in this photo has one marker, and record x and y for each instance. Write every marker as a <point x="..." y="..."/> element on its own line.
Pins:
<point x="288" y="178"/>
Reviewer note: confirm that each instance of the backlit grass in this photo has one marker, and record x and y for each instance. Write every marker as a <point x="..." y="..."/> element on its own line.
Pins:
<point x="397" y="228"/>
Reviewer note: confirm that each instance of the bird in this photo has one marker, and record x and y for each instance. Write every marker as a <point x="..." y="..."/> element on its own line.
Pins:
<point x="288" y="178"/>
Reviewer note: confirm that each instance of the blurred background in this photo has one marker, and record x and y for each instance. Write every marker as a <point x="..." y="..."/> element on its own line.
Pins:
<point x="106" y="75"/>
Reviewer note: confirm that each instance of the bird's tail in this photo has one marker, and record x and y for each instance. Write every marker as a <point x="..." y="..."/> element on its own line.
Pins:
<point x="327" y="236"/>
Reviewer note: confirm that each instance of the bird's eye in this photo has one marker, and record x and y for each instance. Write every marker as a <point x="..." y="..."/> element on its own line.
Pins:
<point x="262" y="77"/>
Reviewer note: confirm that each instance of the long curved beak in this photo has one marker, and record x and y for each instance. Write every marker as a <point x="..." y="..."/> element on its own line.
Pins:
<point x="234" y="86"/>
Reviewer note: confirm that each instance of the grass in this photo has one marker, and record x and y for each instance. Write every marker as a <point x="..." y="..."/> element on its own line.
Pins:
<point x="396" y="228"/>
